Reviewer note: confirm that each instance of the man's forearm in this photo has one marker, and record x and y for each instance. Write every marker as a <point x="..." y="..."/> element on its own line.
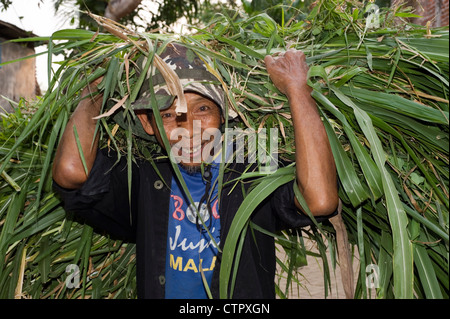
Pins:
<point x="316" y="171"/>
<point x="68" y="168"/>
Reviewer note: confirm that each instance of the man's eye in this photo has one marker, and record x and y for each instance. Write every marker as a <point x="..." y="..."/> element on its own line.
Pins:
<point x="203" y="108"/>
<point x="166" y="115"/>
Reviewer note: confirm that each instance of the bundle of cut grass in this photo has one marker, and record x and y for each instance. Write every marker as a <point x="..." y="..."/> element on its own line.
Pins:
<point x="383" y="96"/>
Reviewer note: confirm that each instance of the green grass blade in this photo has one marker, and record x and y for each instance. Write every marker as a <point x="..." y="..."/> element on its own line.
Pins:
<point x="346" y="172"/>
<point x="403" y="257"/>
<point x="251" y="201"/>
<point x="80" y="150"/>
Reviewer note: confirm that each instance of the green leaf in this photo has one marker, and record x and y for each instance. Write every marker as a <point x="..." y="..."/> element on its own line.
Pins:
<point x="403" y="257"/>
<point x="80" y="150"/>
<point x="407" y="15"/>
<point x="426" y="271"/>
<point x="397" y="104"/>
<point x="346" y="172"/>
<point x="368" y="166"/>
<point x="251" y="201"/>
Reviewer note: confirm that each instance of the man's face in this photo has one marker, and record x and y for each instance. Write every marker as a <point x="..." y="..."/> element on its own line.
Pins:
<point x="191" y="135"/>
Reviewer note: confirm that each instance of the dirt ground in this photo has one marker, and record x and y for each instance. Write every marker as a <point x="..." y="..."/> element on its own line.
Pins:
<point x="311" y="279"/>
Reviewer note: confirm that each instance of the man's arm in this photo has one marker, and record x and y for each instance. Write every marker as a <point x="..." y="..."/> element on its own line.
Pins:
<point x="315" y="167"/>
<point x="68" y="169"/>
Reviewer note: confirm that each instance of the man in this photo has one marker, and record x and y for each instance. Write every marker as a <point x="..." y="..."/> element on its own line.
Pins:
<point x="178" y="249"/>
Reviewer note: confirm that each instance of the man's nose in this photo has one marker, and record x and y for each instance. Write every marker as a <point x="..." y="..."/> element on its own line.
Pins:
<point x="190" y="126"/>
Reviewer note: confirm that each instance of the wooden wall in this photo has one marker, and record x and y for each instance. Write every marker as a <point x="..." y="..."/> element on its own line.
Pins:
<point x="17" y="79"/>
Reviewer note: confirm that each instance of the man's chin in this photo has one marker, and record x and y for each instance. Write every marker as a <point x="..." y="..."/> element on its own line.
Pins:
<point x="191" y="168"/>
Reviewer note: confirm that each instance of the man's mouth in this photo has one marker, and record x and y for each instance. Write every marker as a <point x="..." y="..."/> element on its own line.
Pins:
<point x="193" y="152"/>
<point x="196" y="149"/>
<point x="189" y="154"/>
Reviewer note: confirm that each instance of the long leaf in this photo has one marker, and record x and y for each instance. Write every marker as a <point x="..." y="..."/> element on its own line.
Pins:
<point x="403" y="257"/>
<point x="259" y="193"/>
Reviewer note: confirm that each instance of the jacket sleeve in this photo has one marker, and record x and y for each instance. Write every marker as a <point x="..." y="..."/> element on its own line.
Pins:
<point x="288" y="216"/>
<point x="103" y="201"/>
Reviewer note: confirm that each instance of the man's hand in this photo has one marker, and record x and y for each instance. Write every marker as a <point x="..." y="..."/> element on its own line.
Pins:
<point x="289" y="72"/>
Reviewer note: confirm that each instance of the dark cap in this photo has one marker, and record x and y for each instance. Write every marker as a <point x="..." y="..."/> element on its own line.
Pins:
<point x="193" y="75"/>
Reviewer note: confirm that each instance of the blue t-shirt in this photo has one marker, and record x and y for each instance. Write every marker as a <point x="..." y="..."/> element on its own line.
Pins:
<point x="190" y="249"/>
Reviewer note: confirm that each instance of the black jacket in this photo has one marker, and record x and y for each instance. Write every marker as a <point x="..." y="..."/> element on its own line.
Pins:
<point x="103" y="201"/>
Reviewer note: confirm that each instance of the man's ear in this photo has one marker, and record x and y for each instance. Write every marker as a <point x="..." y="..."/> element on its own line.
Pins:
<point x="145" y="121"/>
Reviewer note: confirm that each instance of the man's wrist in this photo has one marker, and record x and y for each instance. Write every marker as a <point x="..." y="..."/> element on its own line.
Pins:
<point x="299" y="92"/>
